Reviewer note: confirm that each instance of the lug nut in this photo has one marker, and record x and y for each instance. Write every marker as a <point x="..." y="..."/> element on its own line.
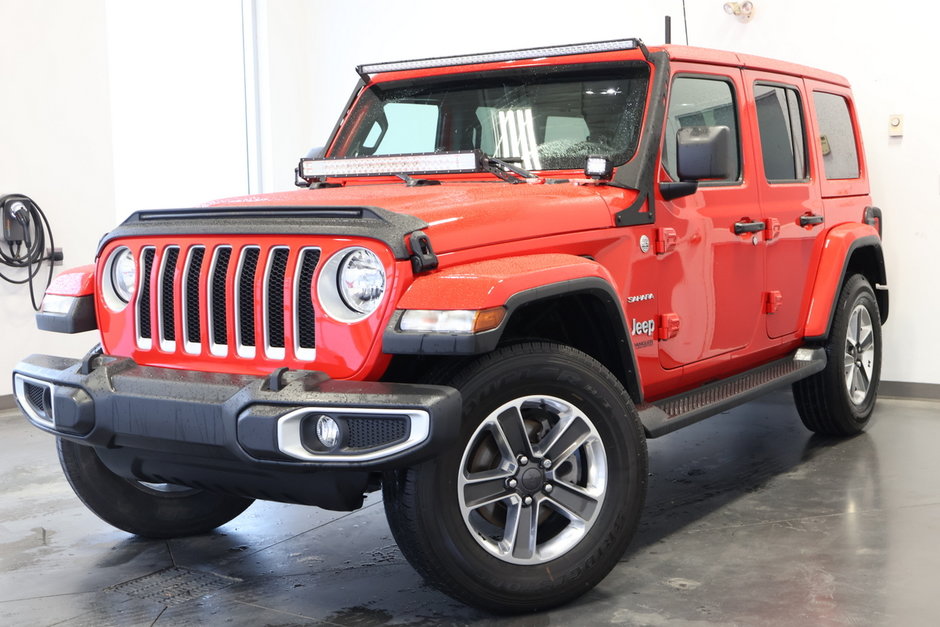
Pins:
<point x="523" y="460"/>
<point x="546" y="463"/>
<point x="511" y="483"/>
<point x="527" y="501"/>
<point x="548" y="488"/>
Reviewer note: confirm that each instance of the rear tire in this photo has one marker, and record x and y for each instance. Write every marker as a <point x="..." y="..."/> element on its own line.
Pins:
<point x="540" y="496"/>
<point x="149" y="510"/>
<point x="839" y="400"/>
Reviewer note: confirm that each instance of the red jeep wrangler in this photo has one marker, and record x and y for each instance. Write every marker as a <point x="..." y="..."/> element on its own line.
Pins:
<point x="503" y="274"/>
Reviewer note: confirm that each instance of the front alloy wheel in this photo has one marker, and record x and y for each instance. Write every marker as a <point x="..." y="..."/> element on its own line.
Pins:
<point x="532" y="479"/>
<point x="539" y="497"/>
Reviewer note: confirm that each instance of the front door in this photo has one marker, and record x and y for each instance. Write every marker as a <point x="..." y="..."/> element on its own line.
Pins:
<point x="713" y="279"/>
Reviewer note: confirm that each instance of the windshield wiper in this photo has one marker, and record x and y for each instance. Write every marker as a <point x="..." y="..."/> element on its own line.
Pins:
<point x="499" y="167"/>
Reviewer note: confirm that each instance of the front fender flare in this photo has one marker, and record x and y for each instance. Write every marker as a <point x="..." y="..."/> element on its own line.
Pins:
<point x="508" y="282"/>
<point x="512" y="283"/>
<point x="75" y="312"/>
<point x="491" y="283"/>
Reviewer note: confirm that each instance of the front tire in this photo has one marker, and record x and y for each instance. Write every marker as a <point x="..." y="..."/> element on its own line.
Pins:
<point x="149" y="510"/>
<point x="542" y="493"/>
<point x="840" y="399"/>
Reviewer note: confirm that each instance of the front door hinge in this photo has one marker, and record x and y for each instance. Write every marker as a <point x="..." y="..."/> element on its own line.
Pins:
<point x="668" y="326"/>
<point x="666" y="239"/>
<point x="772" y="301"/>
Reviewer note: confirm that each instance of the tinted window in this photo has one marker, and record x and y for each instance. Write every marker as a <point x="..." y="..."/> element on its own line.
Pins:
<point x="781" y="132"/>
<point x="836" y="135"/>
<point x="698" y="101"/>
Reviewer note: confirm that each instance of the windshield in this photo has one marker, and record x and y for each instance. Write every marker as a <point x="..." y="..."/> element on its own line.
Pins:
<point x="541" y="119"/>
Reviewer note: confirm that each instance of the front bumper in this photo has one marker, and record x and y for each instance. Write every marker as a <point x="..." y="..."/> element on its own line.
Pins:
<point x="241" y="434"/>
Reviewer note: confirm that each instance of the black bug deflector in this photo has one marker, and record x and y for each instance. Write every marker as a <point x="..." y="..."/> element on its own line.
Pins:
<point x="371" y="222"/>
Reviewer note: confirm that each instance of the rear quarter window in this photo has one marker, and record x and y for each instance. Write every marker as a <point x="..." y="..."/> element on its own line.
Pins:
<point x="836" y="136"/>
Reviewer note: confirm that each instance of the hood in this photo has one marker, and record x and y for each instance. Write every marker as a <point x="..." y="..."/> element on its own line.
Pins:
<point x="462" y="215"/>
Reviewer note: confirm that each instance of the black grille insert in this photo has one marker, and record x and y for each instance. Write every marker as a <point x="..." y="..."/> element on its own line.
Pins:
<point x="368" y="433"/>
<point x="193" y="304"/>
<point x="276" y="272"/>
<point x="40" y="398"/>
<point x="246" y="297"/>
<point x="143" y="306"/>
<point x="306" y="327"/>
<point x="167" y="295"/>
<point x="219" y="320"/>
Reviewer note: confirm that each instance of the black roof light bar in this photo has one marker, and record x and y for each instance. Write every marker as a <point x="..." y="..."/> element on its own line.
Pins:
<point x="367" y="71"/>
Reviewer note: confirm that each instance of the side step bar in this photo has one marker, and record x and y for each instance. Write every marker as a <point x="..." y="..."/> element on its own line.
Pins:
<point x="668" y="414"/>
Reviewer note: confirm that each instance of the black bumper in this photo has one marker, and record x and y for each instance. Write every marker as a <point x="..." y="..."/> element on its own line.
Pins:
<point x="241" y="434"/>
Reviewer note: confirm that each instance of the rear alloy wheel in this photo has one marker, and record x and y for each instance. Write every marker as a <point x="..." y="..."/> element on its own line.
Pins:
<point x="859" y="358"/>
<point x="840" y="399"/>
<point x="540" y="496"/>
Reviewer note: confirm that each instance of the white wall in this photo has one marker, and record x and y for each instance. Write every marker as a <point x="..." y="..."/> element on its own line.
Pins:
<point x="145" y="102"/>
<point x="177" y="102"/>
<point x="55" y="146"/>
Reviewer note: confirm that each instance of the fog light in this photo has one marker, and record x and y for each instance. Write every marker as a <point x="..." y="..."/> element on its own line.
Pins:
<point x="328" y="432"/>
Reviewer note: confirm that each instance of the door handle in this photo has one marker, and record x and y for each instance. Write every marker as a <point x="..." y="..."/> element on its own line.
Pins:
<point x="808" y="219"/>
<point x="748" y="227"/>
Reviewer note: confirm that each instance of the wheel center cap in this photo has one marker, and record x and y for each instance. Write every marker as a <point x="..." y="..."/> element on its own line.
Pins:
<point x="532" y="479"/>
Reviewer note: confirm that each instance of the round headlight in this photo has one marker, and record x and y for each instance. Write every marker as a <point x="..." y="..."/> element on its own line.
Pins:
<point x="361" y="280"/>
<point x="123" y="274"/>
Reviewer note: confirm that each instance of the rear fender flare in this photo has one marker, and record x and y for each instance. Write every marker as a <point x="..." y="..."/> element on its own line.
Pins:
<point x="844" y="243"/>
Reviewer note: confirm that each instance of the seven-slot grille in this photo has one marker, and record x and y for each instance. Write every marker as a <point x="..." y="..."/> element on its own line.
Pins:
<point x="227" y="300"/>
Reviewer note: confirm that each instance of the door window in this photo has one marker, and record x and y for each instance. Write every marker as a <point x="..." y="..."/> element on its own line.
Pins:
<point x="700" y="101"/>
<point x="782" y="137"/>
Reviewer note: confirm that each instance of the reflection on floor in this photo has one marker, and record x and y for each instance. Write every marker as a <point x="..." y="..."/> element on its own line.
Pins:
<point x="749" y="520"/>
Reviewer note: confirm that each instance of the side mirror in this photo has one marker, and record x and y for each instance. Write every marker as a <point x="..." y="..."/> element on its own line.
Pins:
<point x="705" y="152"/>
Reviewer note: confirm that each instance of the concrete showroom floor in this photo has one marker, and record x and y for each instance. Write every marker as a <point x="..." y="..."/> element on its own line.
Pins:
<point x="750" y="520"/>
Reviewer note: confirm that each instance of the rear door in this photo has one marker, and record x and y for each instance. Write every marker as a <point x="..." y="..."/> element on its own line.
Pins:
<point x="789" y="196"/>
